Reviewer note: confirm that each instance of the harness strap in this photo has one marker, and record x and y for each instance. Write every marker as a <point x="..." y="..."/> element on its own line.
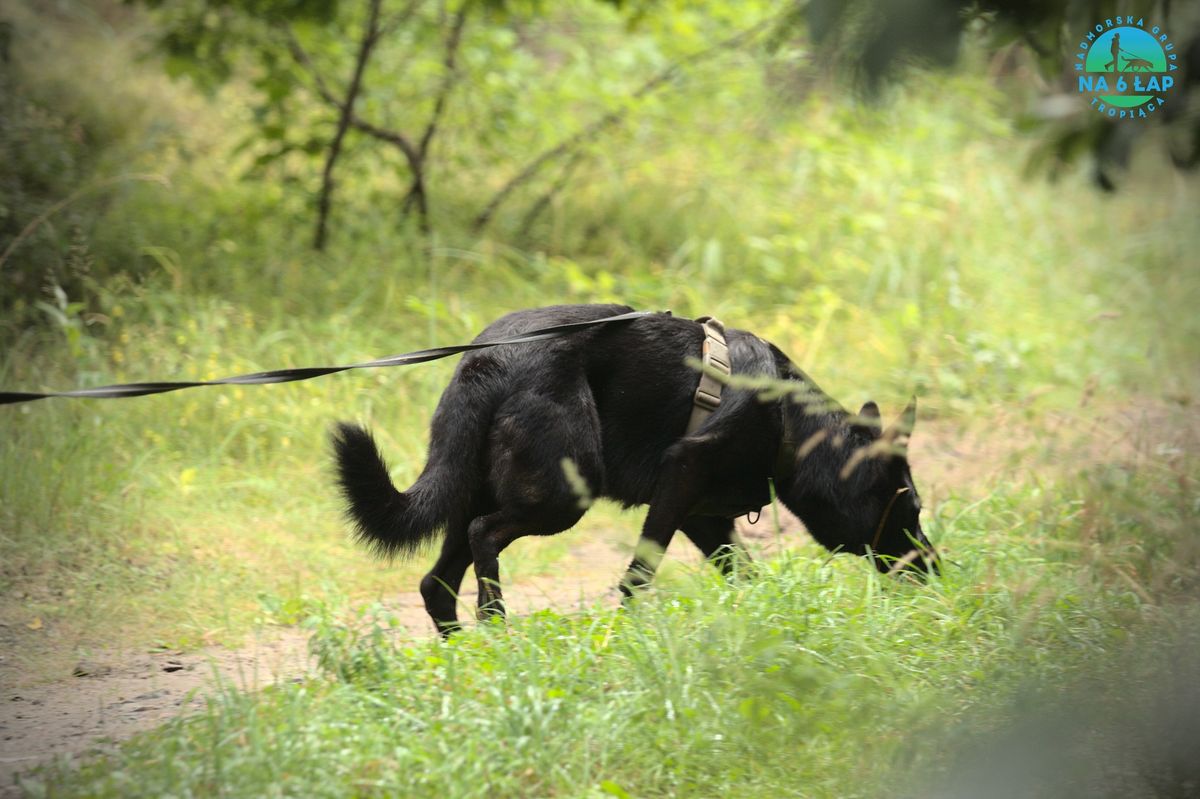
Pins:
<point x="714" y="355"/>
<point x="785" y="457"/>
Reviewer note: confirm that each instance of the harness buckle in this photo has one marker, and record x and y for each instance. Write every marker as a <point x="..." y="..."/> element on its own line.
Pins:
<point x="709" y="402"/>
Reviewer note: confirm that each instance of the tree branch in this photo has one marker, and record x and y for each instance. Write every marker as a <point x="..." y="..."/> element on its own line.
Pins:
<point x="417" y="196"/>
<point x="449" y="79"/>
<point x="345" y="116"/>
<point x="414" y="154"/>
<point x="543" y="202"/>
<point x="399" y="19"/>
<point x="393" y="137"/>
<point x="609" y="120"/>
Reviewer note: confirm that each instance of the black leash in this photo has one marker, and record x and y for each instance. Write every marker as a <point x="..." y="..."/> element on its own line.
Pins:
<point x="307" y="373"/>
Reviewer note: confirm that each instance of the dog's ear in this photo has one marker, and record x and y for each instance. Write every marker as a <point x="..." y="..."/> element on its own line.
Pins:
<point x="908" y="419"/>
<point x="899" y="432"/>
<point x="867" y="424"/>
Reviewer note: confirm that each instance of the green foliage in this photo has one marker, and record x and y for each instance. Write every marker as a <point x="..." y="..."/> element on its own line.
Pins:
<point x="207" y="38"/>
<point x="404" y="58"/>
<point x="810" y="676"/>
<point x="50" y="138"/>
<point x="876" y="42"/>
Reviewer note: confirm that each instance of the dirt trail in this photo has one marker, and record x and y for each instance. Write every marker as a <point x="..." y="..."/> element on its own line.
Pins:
<point x="104" y="705"/>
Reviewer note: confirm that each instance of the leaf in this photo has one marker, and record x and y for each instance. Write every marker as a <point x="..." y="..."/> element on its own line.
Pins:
<point x="612" y="789"/>
<point x="54" y="313"/>
<point x="36" y="624"/>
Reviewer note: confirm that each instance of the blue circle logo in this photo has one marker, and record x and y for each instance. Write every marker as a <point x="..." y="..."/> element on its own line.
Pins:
<point x="1124" y="68"/>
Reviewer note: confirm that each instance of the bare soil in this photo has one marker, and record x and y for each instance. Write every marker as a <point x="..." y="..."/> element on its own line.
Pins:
<point x="104" y="704"/>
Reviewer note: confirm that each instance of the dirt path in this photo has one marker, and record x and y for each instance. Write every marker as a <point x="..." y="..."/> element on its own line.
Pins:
<point x="104" y="705"/>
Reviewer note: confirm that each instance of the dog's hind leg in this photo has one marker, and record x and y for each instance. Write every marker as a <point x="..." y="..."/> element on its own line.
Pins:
<point x="440" y="587"/>
<point x="490" y="534"/>
<point x="715" y="537"/>
<point x="532" y="439"/>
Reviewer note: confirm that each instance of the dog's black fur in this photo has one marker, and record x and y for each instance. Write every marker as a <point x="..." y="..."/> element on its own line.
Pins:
<point x="615" y="400"/>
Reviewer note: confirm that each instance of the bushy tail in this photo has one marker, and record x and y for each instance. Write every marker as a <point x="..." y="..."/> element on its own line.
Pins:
<point x="390" y="522"/>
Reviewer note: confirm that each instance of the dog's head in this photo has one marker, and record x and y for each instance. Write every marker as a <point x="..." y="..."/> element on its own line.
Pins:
<point x="873" y="507"/>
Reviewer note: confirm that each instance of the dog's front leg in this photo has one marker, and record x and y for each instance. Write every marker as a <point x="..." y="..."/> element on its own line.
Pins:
<point x="714" y="536"/>
<point x="680" y="483"/>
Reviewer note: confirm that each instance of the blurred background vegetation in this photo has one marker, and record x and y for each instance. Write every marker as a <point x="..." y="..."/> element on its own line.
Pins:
<point x="900" y="195"/>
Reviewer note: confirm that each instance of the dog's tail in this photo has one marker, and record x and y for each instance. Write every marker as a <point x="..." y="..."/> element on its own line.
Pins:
<point x="391" y="522"/>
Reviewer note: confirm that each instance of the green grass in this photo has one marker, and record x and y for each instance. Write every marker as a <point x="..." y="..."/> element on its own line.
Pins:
<point x="813" y="677"/>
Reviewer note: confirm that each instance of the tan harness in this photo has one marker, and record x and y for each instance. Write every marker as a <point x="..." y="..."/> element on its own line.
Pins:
<point x="714" y="356"/>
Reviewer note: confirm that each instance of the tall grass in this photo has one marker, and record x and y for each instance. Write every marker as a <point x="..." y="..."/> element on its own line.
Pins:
<point x="810" y="677"/>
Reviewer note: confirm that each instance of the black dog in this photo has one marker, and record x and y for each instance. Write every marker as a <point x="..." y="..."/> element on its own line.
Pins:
<point x="615" y="401"/>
